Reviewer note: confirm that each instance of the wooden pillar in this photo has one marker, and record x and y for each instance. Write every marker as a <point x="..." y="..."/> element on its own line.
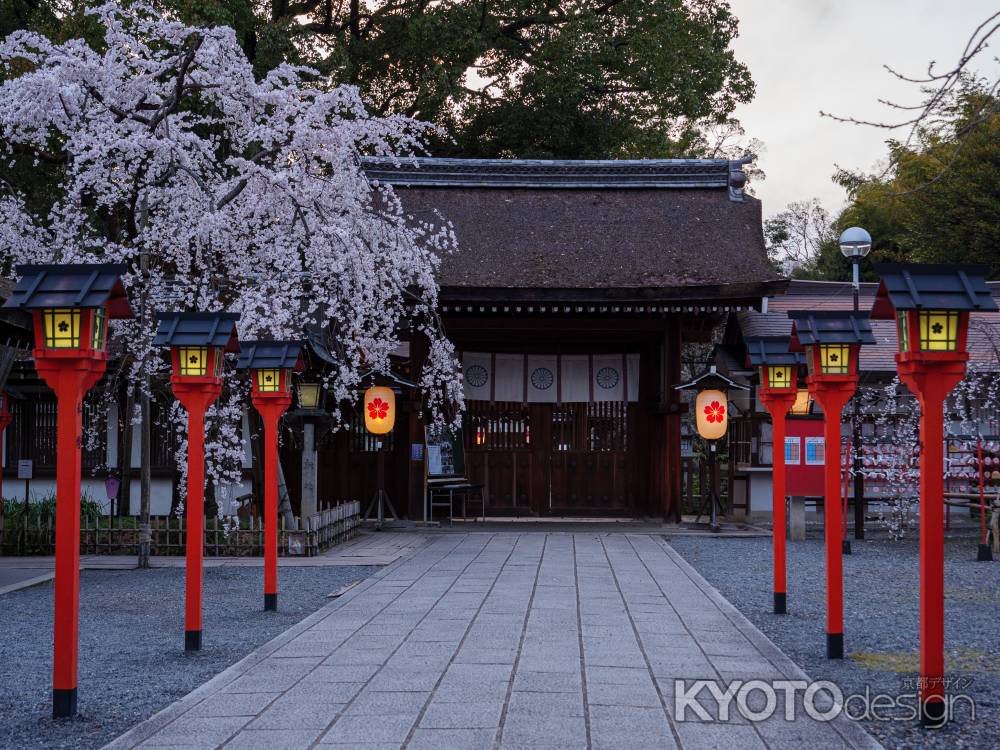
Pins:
<point x="672" y="501"/>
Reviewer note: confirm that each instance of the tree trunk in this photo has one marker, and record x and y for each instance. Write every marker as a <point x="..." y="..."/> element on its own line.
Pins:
<point x="126" y="434"/>
<point x="145" y="446"/>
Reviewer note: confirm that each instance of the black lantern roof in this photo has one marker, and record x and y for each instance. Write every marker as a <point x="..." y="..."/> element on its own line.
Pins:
<point x="74" y="285"/>
<point x="712" y="379"/>
<point x="829" y="327"/>
<point x="772" y="350"/>
<point x="270" y="355"/>
<point x="197" y="329"/>
<point x="931" y="286"/>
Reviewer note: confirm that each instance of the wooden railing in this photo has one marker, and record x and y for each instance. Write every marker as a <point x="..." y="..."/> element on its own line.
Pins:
<point x="117" y="535"/>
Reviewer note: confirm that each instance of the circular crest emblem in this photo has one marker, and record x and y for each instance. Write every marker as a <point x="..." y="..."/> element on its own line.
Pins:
<point x="476" y="376"/>
<point x="542" y="378"/>
<point x="607" y="377"/>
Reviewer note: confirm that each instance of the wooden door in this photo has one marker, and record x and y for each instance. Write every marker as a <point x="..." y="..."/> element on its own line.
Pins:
<point x="592" y="469"/>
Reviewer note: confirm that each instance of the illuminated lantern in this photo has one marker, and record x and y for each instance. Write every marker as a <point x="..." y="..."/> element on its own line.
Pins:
<point x="712" y="421"/>
<point x="931" y="306"/>
<point x="70" y="306"/>
<point x="712" y="414"/>
<point x="380" y="409"/>
<point x="271" y="364"/>
<point x="803" y="403"/>
<point x="308" y="395"/>
<point x="198" y="342"/>
<point x="832" y="342"/>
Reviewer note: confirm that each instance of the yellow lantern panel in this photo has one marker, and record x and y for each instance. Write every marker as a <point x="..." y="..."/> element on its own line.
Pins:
<point x="712" y="414"/>
<point x="835" y="359"/>
<point x="780" y="376"/>
<point x="308" y="395"/>
<point x="380" y="410"/>
<point x="192" y="360"/>
<point x="62" y="328"/>
<point x="269" y="380"/>
<point x="938" y="330"/>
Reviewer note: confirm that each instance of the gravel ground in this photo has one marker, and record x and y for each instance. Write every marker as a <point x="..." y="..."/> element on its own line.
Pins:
<point x="881" y="616"/>
<point x="132" y="659"/>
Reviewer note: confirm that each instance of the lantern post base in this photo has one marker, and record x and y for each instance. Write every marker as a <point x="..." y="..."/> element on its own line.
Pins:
<point x="780" y="603"/>
<point x="834" y="645"/>
<point x="933" y="714"/>
<point x="270" y="602"/>
<point x="192" y="640"/>
<point x="63" y="703"/>
<point x="985" y="553"/>
<point x="845" y="547"/>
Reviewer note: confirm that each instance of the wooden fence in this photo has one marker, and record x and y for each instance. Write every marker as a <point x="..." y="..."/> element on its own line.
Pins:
<point x="116" y="535"/>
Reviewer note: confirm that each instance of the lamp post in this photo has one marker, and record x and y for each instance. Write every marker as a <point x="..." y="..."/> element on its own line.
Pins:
<point x="855" y="244"/>
<point x="832" y="343"/>
<point x="778" y="370"/>
<point x="271" y="364"/>
<point x="308" y="395"/>
<point x="380" y="417"/>
<point x="198" y="342"/>
<point x="71" y="306"/>
<point x="931" y="306"/>
<point x="712" y="420"/>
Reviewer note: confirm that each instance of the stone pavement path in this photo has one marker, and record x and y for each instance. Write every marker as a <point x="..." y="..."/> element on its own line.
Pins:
<point x="499" y="640"/>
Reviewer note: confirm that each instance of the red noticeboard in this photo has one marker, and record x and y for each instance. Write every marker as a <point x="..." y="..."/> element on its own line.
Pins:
<point x="804" y="456"/>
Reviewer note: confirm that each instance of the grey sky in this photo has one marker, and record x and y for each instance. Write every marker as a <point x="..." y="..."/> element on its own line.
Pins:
<point x="807" y="55"/>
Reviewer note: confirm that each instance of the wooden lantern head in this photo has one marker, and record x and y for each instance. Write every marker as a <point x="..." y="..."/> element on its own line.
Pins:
<point x="71" y="305"/>
<point x="271" y="364"/>
<point x="832" y="342"/>
<point x="198" y="343"/>
<point x="777" y="367"/>
<point x="931" y="304"/>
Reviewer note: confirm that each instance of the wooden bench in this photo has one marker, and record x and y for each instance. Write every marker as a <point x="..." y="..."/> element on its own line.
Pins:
<point x="442" y="491"/>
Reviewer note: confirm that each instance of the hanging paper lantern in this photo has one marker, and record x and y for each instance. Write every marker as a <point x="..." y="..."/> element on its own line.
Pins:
<point x="712" y="413"/>
<point x="380" y="409"/>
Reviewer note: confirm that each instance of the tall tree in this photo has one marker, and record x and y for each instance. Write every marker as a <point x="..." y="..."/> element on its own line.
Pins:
<point x="522" y="78"/>
<point x="939" y="199"/>
<point x="217" y="191"/>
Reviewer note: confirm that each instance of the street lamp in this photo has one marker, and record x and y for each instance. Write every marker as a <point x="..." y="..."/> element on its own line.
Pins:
<point x="380" y="417"/>
<point x="832" y="342"/>
<point x="931" y="306"/>
<point x="712" y="421"/>
<point x="198" y="343"/>
<point x="778" y="369"/>
<point x="308" y="394"/>
<point x="271" y="364"/>
<point x="70" y="305"/>
<point x="855" y="244"/>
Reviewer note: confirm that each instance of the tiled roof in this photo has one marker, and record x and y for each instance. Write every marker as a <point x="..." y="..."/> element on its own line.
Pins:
<point x="83" y="285"/>
<point x="197" y="329"/>
<point x="268" y="355"/>
<point x="560" y="173"/>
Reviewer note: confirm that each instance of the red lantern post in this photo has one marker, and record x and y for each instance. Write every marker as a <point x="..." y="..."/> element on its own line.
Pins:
<point x="70" y="305"/>
<point x="832" y="341"/>
<point x="931" y="306"/>
<point x="778" y="370"/>
<point x="197" y="342"/>
<point x="271" y="364"/>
